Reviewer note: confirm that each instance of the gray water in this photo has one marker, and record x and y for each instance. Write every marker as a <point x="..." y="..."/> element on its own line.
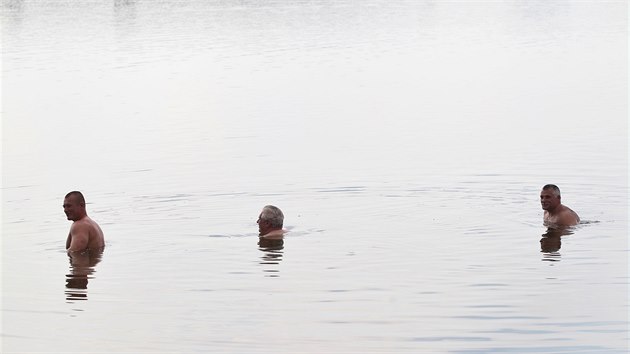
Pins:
<point x="405" y="141"/>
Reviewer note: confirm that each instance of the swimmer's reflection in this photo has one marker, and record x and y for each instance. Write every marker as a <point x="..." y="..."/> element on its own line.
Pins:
<point x="81" y="269"/>
<point x="124" y="3"/>
<point x="272" y="256"/>
<point x="551" y="242"/>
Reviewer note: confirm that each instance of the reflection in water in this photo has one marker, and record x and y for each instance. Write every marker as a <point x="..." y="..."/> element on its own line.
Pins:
<point x="272" y="255"/>
<point x="550" y="243"/>
<point x="81" y="268"/>
<point x="125" y="17"/>
<point x="13" y="5"/>
<point x="125" y="9"/>
<point x="12" y="15"/>
<point x="124" y="3"/>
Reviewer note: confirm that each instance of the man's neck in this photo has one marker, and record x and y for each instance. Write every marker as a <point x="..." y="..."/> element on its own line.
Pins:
<point x="83" y="217"/>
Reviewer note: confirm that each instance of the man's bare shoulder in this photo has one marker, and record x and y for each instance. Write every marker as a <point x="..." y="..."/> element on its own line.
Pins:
<point x="85" y="225"/>
<point x="567" y="216"/>
<point x="87" y="221"/>
<point x="80" y="225"/>
<point x="275" y="234"/>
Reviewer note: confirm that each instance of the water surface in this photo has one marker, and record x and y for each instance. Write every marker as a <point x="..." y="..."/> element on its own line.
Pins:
<point x="405" y="141"/>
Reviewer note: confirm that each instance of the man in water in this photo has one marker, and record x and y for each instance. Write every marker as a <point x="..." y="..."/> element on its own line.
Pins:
<point x="85" y="234"/>
<point x="270" y="223"/>
<point x="556" y="214"/>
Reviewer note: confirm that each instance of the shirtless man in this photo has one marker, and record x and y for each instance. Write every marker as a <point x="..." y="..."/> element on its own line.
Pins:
<point x="270" y="223"/>
<point x="85" y="234"/>
<point x="556" y="214"/>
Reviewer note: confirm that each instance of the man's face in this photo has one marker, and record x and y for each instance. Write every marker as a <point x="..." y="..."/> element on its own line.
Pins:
<point x="548" y="200"/>
<point x="72" y="208"/>
<point x="263" y="226"/>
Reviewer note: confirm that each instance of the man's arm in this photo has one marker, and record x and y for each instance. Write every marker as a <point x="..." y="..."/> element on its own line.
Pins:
<point x="79" y="237"/>
<point x="274" y="235"/>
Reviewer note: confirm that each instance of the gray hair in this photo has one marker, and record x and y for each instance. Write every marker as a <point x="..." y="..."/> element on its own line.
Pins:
<point x="272" y="214"/>
<point x="553" y="187"/>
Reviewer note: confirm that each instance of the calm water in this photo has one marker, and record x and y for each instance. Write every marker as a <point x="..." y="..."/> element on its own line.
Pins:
<point x="406" y="142"/>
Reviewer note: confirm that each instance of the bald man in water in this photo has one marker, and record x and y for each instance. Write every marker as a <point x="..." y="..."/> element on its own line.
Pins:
<point x="85" y="234"/>
<point x="556" y="214"/>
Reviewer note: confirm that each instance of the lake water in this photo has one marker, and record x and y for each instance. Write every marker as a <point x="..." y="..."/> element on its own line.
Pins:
<point x="405" y="141"/>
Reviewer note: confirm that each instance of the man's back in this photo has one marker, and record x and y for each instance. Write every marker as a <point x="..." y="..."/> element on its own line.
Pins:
<point x="85" y="235"/>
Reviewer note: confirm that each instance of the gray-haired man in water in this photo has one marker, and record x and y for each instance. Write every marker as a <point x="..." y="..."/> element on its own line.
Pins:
<point x="270" y="223"/>
<point x="556" y="214"/>
<point x="85" y="234"/>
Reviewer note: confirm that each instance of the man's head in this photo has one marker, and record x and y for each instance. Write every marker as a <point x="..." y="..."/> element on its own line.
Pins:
<point x="270" y="218"/>
<point x="74" y="206"/>
<point x="550" y="197"/>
